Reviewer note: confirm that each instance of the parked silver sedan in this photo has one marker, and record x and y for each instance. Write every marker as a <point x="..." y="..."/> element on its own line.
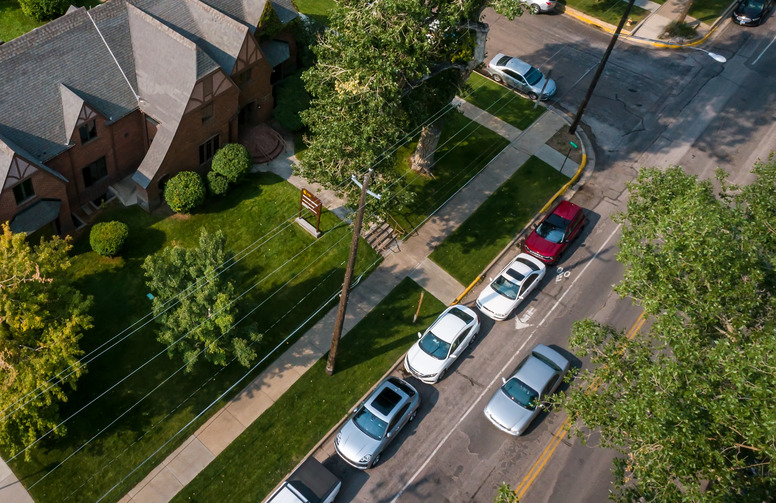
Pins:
<point x="374" y="423"/>
<point x="522" y="397"/>
<point x="519" y="75"/>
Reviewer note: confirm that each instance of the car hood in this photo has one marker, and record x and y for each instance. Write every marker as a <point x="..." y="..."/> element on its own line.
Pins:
<point x="542" y="246"/>
<point x="423" y="362"/>
<point x="355" y="444"/>
<point x="549" y="90"/>
<point x="507" y="413"/>
<point x="494" y="301"/>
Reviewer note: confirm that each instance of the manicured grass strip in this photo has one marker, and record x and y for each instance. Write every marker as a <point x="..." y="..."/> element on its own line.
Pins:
<point x="251" y="210"/>
<point x="316" y="9"/>
<point x="466" y="252"/>
<point x="609" y="11"/>
<point x="497" y="100"/>
<point x="708" y="10"/>
<point x="13" y="22"/>
<point x="464" y="149"/>
<point x="262" y="456"/>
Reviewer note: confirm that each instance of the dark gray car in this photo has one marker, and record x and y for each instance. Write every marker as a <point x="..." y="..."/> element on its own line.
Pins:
<point x="520" y="399"/>
<point x="376" y="422"/>
<point x="520" y="75"/>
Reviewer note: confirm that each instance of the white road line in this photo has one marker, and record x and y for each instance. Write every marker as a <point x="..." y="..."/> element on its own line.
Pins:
<point x="503" y="369"/>
<point x="766" y="48"/>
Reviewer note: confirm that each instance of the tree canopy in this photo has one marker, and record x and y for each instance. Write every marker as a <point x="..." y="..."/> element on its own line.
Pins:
<point x="193" y="304"/>
<point x="42" y="318"/>
<point x="689" y="403"/>
<point x="383" y="68"/>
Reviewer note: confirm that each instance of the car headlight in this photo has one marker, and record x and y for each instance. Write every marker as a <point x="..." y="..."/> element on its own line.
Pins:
<point x="515" y="430"/>
<point x="365" y="459"/>
<point x="338" y="438"/>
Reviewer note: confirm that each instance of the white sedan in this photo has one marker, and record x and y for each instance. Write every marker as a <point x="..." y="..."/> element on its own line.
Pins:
<point x="437" y="348"/>
<point x="511" y="286"/>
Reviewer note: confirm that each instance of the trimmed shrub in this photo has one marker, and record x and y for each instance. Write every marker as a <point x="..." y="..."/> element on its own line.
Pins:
<point x="218" y="184"/>
<point x="107" y="238"/>
<point x="231" y="161"/>
<point x="44" y="10"/>
<point x="184" y="192"/>
<point x="292" y="98"/>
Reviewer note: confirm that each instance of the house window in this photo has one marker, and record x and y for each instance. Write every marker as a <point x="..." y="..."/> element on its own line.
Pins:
<point x="208" y="149"/>
<point x="243" y="78"/>
<point x="88" y="131"/>
<point x="95" y="172"/>
<point x="23" y="191"/>
<point x="207" y="113"/>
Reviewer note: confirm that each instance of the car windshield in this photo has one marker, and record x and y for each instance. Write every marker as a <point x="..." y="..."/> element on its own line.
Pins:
<point x="369" y="423"/>
<point x="434" y="346"/>
<point x="553" y="228"/>
<point x="754" y="4"/>
<point x="505" y="287"/>
<point x="533" y="76"/>
<point x="519" y="393"/>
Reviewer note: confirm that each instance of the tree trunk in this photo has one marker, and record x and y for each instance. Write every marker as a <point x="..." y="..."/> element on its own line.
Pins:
<point x="423" y="159"/>
<point x="684" y="11"/>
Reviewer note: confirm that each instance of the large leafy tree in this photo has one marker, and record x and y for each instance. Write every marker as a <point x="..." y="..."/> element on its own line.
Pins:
<point x="193" y="304"/>
<point x="383" y="68"/>
<point x="42" y="318"/>
<point x="689" y="403"/>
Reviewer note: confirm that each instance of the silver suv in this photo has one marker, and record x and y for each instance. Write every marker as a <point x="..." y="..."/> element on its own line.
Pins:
<point x="375" y="422"/>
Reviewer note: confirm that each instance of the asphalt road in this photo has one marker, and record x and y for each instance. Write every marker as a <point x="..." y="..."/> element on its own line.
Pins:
<point x="651" y="108"/>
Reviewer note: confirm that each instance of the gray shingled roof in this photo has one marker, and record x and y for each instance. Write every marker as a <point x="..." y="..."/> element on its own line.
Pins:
<point x="285" y="10"/>
<point x="218" y="35"/>
<point x="67" y="50"/>
<point x="246" y="11"/>
<point x="36" y="216"/>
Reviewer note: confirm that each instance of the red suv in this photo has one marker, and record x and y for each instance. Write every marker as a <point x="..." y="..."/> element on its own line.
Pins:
<point x="555" y="232"/>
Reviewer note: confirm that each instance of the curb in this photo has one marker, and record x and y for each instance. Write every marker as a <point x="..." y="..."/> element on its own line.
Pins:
<point x="608" y="28"/>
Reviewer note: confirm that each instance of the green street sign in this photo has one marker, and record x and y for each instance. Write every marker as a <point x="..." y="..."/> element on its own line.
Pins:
<point x="573" y="144"/>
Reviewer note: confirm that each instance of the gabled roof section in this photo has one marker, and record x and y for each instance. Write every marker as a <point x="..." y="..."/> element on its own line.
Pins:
<point x="72" y="104"/>
<point x="217" y="34"/>
<point x="9" y="150"/>
<point x="285" y="10"/>
<point x="247" y="12"/>
<point x="67" y="50"/>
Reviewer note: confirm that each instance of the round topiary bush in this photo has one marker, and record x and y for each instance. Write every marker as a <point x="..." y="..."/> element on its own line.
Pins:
<point x="218" y="184"/>
<point x="44" y="10"/>
<point x="231" y="161"/>
<point x="107" y="238"/>
<point x="184" y="192"/>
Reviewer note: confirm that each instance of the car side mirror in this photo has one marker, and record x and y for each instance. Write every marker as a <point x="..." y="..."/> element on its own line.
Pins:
<point x="503" y="380"/>
<point x="388" y="435"/>
<point x="420" y="335"/>
<point x="542" y="405"/>
<point x="452" y="357"/>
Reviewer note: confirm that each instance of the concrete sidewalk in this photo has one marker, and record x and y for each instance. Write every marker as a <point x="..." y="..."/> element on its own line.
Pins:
<point x="409" y="259"/>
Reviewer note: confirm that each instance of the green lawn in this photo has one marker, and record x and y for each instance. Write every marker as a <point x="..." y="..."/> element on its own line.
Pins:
<point x="609" y="11"/>
<point x="13" y="22"/>
<point x="317" y="9"/>
<point x="708" y="10"/>
<point x="264" y="454"/>
<point x="252" y="210"/>
<point x="464" y="149"/>
<point x="466" y="252"/>
<point x="499" y="101"/>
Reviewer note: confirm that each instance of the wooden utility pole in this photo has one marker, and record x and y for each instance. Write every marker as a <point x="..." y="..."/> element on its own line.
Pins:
<point x="348" y="278"/>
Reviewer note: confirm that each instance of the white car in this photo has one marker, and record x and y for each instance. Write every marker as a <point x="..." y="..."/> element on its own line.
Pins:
<point x="437" y="348"/>
<point x="511" y="286"/>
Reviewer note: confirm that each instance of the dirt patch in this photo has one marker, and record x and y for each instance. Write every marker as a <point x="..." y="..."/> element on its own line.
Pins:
<point x="560" y="142"/>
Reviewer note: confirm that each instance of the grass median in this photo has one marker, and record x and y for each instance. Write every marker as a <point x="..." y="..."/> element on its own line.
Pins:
<point x="270" y="448"/>
<point x="466" y="252"/>
<point x="500" y="101"/>
<point x="281" y="277"/>
<point x="608" y="11"/>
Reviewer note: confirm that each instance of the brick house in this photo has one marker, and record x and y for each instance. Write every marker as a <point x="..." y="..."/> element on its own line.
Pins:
<point x="129" y="92"/>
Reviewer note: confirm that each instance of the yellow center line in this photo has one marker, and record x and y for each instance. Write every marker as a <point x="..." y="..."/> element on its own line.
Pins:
<point x="548" y="451"/>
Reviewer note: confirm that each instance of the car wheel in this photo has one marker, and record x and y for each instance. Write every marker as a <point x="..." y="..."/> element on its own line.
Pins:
<point x="533" y="9"/>
<point x="497" y="78"/>
<point x="412" y="416"/>
<point x="442" y="374"/>
<point x="375" y="460"/>
<point x="533" y="96"/>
